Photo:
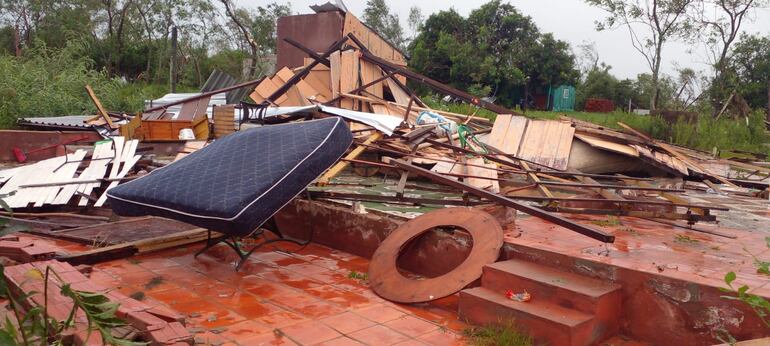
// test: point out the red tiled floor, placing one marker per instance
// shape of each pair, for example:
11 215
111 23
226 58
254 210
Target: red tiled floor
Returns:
442 337
244 330
378 335
281 319
379 313
270 338
410 342
347 322
343 341
411 326
308 296
338 296
310 332
290 278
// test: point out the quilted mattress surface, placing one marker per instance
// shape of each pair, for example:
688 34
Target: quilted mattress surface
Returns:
238 182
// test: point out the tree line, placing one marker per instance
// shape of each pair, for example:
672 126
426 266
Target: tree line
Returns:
495 51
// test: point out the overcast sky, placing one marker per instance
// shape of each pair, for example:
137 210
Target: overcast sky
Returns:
568 20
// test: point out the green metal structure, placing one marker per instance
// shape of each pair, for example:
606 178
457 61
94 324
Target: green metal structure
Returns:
563 99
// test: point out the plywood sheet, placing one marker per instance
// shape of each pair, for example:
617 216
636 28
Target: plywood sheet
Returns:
266 88
370 73
349 67
547 143
507 133
400 95
607 145
320 81
486 184
335 70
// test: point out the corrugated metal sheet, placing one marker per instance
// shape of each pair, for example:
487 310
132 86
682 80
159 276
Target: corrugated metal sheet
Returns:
216 100
74 121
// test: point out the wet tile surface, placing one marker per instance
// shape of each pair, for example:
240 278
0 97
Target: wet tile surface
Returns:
302 297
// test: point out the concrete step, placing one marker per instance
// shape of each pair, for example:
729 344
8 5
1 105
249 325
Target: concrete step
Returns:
546 322
568 290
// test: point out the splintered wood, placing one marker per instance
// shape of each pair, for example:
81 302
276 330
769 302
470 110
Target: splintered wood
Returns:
55 181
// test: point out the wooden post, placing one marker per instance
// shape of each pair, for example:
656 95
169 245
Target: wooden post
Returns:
172 62
99 107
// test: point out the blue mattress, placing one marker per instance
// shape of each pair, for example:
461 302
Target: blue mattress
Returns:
238 182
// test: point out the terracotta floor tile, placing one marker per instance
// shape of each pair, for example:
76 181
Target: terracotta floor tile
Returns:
173 297
358 264
244 330
280 319
442 337
411 342
310 332
411 326
340 297
208 338
249 306
208 315
183 276
268 289
306 269
379 313
276 258
119 267
307 305
329 277
253 267
290 278
378 335
347 322
214 289
270 338
156 263
343 341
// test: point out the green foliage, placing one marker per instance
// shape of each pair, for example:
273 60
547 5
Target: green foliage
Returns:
751 67
761 306
378 16
504 333
495 49
358 276
51 81
35 326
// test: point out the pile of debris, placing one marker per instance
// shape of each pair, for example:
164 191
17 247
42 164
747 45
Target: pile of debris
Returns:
539 167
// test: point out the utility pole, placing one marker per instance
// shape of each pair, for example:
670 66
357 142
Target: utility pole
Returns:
172 63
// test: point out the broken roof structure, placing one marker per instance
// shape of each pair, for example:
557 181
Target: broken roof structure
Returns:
387 221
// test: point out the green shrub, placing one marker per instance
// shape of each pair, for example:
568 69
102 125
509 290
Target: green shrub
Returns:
51 82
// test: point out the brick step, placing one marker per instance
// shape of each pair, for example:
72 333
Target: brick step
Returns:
545 322
544 283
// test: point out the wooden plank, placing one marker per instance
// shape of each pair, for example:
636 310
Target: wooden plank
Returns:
264 89
608 146
547 143
96 169
224 120
192 109
320 81
101 149
99 107
370 73
401 96
485 184
334 171
306 91
25 175
118 147
586 230
65 172
348 77
336 70
130 130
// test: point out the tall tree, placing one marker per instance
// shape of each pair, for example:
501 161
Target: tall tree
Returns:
651 24
378 16
415 20
721 22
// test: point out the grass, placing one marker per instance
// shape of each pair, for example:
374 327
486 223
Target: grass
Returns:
505 333
707 134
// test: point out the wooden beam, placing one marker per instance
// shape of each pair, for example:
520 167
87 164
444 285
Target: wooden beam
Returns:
334 171
586 230
99 107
